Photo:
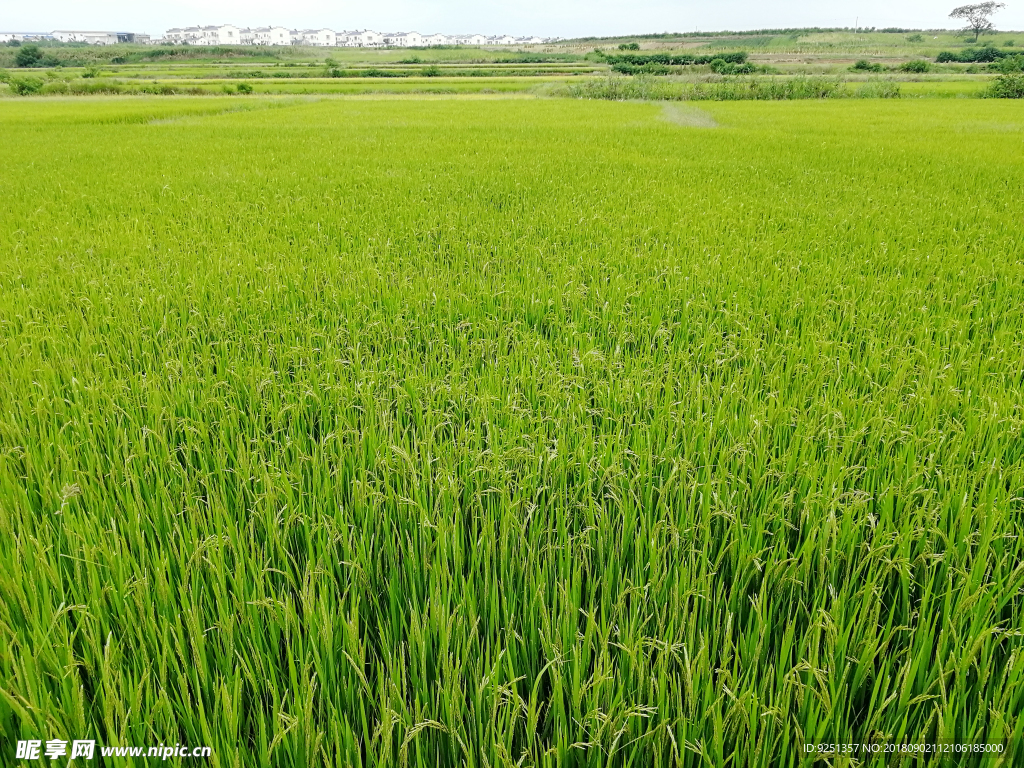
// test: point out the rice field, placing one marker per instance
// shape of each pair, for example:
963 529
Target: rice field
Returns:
512 432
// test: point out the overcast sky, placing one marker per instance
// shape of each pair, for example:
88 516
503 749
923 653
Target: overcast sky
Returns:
563 18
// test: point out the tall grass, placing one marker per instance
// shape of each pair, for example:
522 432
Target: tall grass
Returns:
511 433
648 88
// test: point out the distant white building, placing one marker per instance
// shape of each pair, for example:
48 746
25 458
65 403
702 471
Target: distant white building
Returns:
469 39
175 35
266 36
228 34
325 38
98 38
6 37
403 39
92 38
362 38
225 34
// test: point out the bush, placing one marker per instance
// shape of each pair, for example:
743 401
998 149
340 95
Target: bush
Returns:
91 72
432 71
160 90
1007 87
28 56
983 55
1008 44
26 86
1009 64
722 67
629 47
917 66
863 65
917 38
243 88
987 54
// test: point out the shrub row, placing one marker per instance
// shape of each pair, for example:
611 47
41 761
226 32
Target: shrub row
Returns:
641 69
675 59
985 54
28 86
915 66
718 65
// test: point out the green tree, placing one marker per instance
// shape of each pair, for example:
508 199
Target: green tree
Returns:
28 56
977 17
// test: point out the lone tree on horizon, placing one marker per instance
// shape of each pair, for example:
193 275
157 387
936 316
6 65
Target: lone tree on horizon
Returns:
977 17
